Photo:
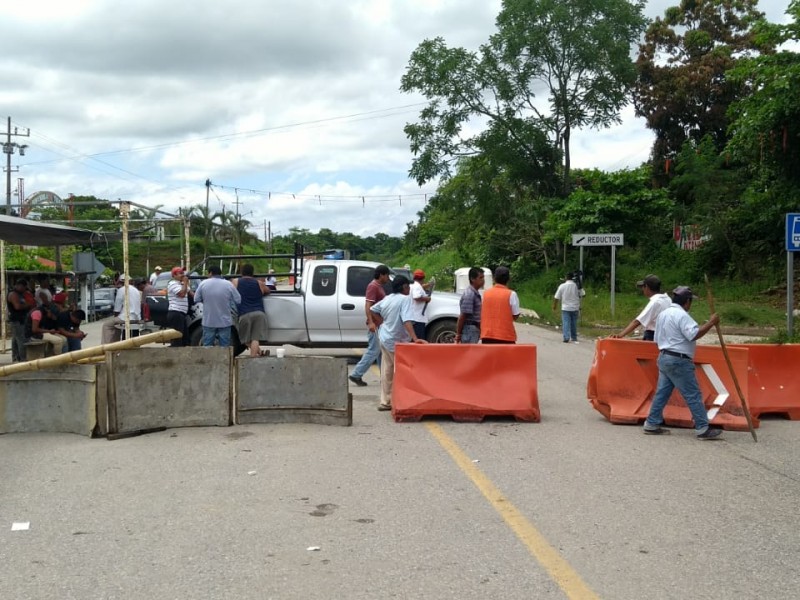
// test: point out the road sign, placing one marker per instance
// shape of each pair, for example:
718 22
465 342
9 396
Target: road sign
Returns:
793 232
597 239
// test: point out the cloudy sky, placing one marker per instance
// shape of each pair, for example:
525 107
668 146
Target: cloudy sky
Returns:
291 109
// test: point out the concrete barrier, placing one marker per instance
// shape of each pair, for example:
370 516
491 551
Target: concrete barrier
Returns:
151 388
294 389
58 400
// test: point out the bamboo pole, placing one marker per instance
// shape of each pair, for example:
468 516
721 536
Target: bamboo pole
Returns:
187 232
124 209
745 408
86 353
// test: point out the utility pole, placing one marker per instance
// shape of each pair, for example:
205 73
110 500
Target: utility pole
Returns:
9 148
238 223
208 219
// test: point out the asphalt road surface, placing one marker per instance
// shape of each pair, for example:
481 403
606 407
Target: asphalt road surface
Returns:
572 507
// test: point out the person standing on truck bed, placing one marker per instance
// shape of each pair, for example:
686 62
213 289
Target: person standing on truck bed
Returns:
218 296
178 294
252 318
375 293
398 326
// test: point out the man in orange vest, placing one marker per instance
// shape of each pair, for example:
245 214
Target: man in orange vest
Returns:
499 311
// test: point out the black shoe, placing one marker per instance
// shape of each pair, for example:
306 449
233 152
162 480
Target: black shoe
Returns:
384 407
656 431
711 433
357 380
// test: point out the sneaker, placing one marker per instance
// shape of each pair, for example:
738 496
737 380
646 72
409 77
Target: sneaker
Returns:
711 433
357 380
384 407
566 341
575 342
656 431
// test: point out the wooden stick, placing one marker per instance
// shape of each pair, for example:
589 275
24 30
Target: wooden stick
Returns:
730 365
72 357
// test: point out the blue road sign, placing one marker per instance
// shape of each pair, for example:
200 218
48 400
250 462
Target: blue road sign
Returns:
793 232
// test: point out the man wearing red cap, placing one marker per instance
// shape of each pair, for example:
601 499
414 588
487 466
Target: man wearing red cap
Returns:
420 299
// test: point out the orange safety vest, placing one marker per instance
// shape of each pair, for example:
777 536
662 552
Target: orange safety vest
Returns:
497 323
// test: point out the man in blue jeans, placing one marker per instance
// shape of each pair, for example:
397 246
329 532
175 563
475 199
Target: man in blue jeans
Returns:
676 336
374 294
219 298
570 296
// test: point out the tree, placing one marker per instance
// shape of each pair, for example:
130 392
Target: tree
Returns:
682 88
765 125
578 51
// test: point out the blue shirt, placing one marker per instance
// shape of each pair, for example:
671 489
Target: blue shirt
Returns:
219 297
471 304
676 330
395 309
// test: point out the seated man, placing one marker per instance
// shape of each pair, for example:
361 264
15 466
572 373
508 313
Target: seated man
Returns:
69 323
38 323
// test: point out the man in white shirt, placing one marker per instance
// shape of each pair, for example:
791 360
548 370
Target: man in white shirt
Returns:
570 296
154 275
676 336
651 289
420 299
110 331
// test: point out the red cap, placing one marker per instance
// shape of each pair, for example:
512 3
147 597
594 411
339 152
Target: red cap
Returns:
419 274
60 298
177 271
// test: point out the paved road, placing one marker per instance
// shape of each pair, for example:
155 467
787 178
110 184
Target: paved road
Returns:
569 507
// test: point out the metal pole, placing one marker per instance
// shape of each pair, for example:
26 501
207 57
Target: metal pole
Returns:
8 150
790 293
580 260
613 275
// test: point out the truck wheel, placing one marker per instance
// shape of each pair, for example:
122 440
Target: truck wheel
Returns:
196 339
442 332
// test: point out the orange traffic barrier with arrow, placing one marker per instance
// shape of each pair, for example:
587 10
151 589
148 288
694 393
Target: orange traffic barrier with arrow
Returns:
465 381
624 374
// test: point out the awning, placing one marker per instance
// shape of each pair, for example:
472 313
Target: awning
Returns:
26 232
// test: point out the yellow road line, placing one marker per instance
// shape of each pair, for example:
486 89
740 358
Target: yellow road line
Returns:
558 568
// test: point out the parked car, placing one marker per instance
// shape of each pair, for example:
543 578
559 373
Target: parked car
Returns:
103 305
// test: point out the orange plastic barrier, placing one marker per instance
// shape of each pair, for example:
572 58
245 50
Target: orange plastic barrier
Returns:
773 383
624 374
465 381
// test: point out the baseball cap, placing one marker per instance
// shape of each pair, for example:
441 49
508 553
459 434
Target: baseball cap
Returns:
123 277
158 268
60 298
651 281
419 274
177 271
682 292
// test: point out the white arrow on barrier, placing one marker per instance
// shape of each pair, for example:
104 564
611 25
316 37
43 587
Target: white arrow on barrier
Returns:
722 392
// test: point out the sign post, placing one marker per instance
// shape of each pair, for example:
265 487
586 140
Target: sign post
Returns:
601 239
792 246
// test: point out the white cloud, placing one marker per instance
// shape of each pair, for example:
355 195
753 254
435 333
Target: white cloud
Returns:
299 97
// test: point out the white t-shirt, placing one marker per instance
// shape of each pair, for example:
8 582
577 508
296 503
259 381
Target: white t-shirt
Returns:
648 316
417 291
174 287
134 303
570 295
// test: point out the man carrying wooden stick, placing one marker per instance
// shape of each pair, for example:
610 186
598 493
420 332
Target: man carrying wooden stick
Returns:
676 336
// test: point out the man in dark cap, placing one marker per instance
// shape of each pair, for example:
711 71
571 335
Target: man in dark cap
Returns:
651 289
676 335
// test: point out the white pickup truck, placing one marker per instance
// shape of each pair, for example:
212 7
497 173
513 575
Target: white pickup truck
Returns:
325 309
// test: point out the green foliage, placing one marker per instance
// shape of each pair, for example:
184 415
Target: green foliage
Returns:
682 88
578 50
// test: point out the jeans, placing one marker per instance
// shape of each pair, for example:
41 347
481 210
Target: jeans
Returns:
18 341
677 372
371 354
569 325
470 334
222 334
